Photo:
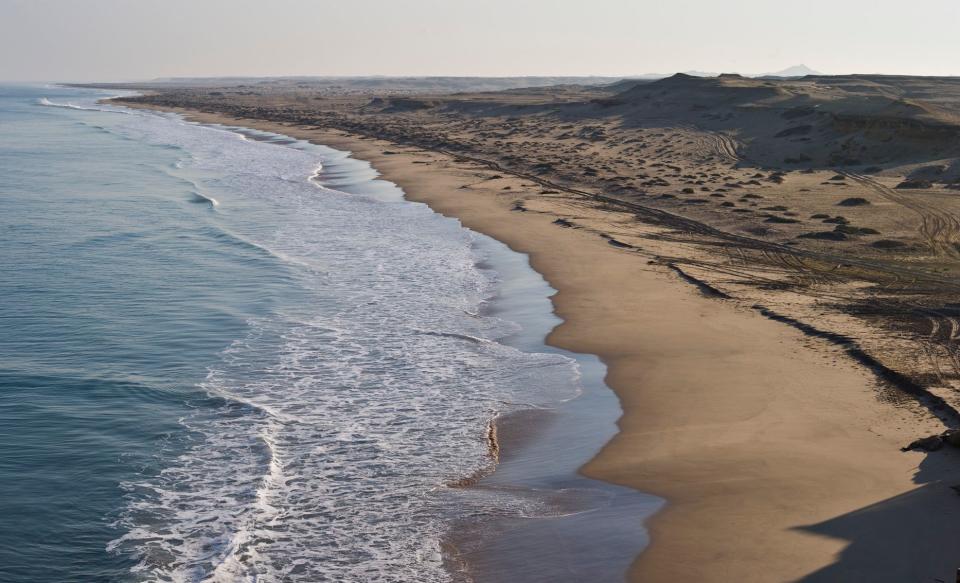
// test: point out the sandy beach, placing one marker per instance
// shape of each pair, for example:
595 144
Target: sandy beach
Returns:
778 454
457 292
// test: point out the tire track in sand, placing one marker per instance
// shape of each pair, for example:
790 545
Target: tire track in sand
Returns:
939 228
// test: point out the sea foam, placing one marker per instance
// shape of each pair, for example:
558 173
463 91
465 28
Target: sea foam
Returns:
334 428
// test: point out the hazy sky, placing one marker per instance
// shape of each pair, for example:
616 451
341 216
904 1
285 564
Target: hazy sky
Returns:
64 40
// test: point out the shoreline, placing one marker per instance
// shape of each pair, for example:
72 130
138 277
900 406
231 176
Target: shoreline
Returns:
537 505
718 416
576 531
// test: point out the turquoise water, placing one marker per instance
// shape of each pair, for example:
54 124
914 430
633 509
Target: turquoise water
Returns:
232 356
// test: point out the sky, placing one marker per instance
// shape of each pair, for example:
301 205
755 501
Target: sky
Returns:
121 40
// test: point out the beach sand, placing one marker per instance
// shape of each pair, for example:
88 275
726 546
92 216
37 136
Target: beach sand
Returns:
777 453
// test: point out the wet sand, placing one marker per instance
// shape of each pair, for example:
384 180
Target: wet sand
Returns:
776 453
570 528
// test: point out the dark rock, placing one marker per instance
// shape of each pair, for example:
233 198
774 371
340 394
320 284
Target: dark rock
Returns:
932 443
620 244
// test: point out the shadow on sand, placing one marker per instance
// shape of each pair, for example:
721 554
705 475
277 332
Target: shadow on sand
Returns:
910 538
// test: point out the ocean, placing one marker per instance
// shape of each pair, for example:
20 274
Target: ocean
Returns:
228 355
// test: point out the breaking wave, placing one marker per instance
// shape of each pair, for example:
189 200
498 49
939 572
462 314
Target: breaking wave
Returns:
334 427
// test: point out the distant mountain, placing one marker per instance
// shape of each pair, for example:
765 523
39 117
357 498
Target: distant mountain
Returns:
794 71
656 76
